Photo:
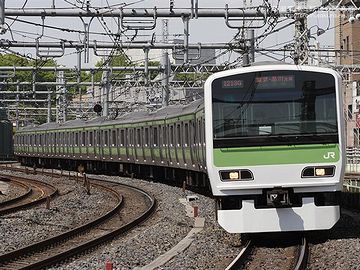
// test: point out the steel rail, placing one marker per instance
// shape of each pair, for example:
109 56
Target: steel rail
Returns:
28 191
41 199
73 233
47 243
303 255
242 257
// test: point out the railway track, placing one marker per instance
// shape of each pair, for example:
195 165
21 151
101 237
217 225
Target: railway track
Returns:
59 248
36 192
26 190
297 261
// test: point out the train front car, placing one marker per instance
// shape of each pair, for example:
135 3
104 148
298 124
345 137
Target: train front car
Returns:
274 147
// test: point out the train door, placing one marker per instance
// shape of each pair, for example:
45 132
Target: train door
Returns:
90 144
105 144
97 143
198 141
178 146
172 153
202 132
187 144
163 144
124 144
71 145
61 143
114 143
131 145
146 144
154 144
138 148
83 143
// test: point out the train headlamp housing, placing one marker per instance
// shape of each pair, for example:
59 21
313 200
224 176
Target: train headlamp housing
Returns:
318 171
236 175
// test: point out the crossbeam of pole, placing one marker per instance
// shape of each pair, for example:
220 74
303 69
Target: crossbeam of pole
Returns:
51 83
54 68
138 12
96 45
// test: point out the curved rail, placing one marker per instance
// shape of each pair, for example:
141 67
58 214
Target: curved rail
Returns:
242 257
303 255
70 252
17 203
28 191
300 260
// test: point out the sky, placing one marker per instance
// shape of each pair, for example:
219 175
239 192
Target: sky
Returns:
201 30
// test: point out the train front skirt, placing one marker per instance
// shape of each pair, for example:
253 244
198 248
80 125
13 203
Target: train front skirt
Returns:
305 218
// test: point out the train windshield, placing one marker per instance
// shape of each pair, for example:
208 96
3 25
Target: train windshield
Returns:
274 108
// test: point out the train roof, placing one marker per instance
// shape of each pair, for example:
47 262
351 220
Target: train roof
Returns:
133 117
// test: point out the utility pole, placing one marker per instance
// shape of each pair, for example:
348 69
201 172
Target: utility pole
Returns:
2 17
49 107
251 45
165 65
79 81
300 55
17 105
60 98
105 95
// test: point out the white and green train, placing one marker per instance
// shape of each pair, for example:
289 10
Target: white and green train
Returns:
275 147
267 140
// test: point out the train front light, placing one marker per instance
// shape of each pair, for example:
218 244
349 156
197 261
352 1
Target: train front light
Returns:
326 171
236 175
319 172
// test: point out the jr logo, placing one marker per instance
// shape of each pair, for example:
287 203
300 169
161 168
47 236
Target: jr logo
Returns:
329 155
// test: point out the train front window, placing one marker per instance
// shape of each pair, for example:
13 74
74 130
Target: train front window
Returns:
274 108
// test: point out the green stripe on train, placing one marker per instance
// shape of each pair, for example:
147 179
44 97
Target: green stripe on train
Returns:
271 155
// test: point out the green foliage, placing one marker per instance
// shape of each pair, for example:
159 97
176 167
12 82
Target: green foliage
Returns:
192 77
27 76
22 76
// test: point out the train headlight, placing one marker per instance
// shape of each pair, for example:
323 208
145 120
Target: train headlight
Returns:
235 175
320 171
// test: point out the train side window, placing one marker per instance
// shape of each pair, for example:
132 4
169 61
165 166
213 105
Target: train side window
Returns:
186 133
155 136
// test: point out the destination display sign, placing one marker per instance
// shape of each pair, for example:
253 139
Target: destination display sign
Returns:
270 82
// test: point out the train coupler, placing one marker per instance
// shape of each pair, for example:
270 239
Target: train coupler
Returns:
278 198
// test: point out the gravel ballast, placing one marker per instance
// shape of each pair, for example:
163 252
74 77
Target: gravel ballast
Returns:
212 248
